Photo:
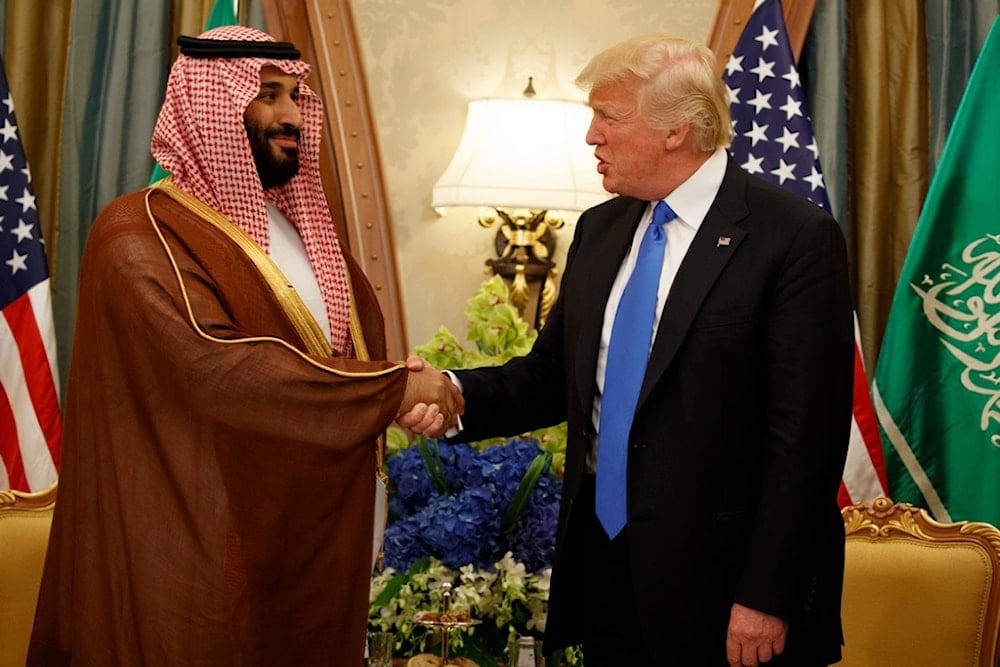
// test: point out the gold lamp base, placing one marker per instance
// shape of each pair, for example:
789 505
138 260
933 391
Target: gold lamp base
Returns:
524 244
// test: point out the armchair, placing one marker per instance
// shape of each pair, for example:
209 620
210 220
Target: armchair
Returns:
919 592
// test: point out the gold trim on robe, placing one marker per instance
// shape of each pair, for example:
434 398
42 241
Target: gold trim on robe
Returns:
298 313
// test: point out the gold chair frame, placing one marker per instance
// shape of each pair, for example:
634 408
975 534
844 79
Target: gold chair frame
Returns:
25 520
42 501
918 589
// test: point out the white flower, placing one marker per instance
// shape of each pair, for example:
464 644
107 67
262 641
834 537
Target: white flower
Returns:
491 596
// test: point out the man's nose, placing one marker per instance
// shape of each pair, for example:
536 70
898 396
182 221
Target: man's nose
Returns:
594 134
290 114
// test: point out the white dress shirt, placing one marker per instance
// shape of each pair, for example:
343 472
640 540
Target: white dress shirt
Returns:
690 201
289 253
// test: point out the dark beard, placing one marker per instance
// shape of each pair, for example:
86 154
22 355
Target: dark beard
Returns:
273 170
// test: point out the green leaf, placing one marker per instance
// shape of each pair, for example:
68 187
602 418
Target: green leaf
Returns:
399 580
432 461
524 489
390 591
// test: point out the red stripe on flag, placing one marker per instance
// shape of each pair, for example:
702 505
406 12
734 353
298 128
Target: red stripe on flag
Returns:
864 419
10 452
864 414
37 371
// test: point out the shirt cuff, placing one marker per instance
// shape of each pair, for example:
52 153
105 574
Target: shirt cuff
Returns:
457 428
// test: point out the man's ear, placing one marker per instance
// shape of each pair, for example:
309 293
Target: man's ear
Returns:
676 136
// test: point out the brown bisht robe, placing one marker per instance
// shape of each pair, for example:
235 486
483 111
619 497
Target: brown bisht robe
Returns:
217 490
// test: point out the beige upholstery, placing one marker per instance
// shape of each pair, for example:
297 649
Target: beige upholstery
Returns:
919 592
25 519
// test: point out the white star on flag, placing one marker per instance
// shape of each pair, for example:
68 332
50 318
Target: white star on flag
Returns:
788 139
815 179
22 231
764 69
26 200
784 172
17 263
8 131
792 108
752 165
759 102
735 64
758 133
767 38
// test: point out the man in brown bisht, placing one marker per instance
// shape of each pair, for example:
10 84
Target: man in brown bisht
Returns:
227 395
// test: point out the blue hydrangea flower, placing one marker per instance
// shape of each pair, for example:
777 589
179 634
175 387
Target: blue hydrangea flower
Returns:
462 525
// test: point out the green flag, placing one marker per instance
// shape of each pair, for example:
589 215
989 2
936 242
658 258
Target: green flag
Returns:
223 13
937 382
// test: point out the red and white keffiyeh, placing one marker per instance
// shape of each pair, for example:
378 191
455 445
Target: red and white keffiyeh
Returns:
200 138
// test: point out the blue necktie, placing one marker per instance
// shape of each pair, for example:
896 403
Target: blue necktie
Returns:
628 353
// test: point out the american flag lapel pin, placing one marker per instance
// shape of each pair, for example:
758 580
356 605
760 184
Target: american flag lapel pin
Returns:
723 241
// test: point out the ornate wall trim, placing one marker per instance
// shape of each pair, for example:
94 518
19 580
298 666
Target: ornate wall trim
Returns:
324 31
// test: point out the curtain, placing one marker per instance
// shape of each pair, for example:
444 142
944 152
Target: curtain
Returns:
955 34
888 134
822 68
117 67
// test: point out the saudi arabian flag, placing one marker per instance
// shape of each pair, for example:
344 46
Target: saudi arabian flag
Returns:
937 382
223 13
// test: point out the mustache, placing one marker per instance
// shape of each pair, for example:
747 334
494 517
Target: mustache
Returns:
285 130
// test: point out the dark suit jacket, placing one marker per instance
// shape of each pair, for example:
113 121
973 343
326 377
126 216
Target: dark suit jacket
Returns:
739 439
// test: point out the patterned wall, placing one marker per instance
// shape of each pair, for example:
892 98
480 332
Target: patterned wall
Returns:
425 60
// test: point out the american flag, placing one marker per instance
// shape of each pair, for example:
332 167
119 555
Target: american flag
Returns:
30 424
773 139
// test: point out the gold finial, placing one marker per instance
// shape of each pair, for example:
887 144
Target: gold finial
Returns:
529 90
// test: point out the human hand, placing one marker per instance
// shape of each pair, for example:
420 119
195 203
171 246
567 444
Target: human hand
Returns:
753 637
432 403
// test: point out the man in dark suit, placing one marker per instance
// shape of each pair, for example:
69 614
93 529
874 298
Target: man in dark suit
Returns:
732 546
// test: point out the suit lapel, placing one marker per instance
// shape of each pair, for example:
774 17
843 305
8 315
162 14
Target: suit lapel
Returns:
714 244
599 267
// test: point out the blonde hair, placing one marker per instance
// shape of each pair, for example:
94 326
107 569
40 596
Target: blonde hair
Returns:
680 84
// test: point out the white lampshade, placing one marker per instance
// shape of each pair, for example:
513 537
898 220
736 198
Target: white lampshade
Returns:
523 153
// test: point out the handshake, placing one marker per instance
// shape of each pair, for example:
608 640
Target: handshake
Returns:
432 403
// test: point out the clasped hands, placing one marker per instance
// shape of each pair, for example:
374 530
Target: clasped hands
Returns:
431 403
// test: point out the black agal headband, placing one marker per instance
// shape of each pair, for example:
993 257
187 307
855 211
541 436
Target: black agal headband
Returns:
236 48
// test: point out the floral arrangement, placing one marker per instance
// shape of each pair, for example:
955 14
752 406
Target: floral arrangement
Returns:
495 327
509 600
480 516
467 506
